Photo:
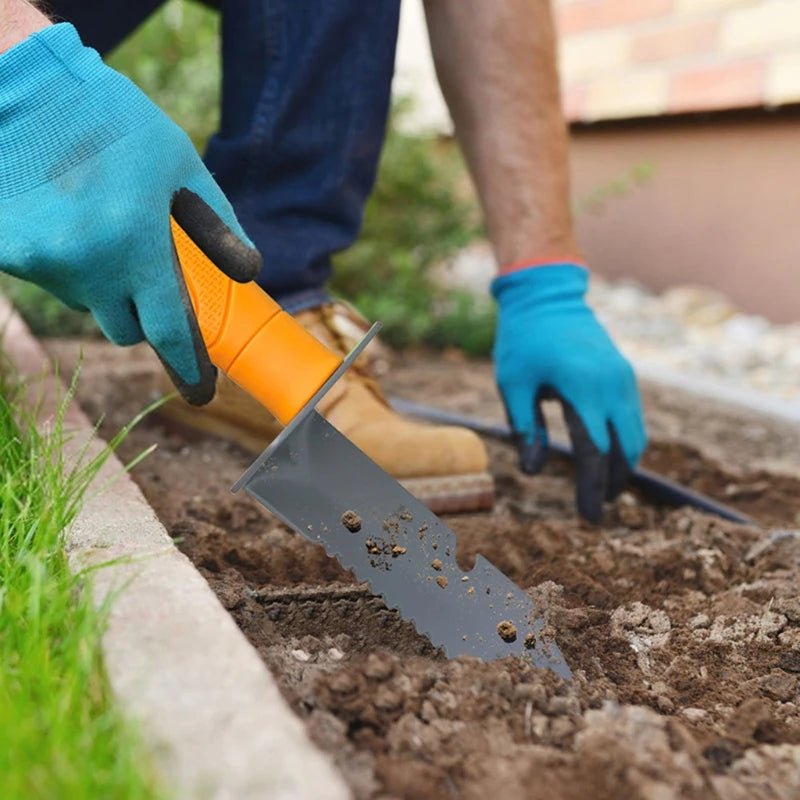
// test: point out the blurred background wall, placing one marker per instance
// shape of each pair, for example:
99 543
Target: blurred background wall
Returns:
685 124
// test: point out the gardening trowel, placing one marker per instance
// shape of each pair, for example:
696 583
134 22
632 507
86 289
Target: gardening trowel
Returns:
321 485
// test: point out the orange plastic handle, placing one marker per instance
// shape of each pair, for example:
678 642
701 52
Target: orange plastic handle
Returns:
249 336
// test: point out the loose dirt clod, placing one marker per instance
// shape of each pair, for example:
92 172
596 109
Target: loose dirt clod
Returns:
507 631
442 581
351 521
379 667
407 516
398 550
530 640
436 564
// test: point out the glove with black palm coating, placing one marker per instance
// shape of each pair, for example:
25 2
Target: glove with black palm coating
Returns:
90 170
549 345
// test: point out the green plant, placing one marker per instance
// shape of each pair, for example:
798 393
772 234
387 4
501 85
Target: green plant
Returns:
174 58
418 216
597 199
60 735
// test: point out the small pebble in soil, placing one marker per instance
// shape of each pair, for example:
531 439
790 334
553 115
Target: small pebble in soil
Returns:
664 704
300 655
471 590
379 667
351 521
507 631
721 754
530 640
398 550
693 714
406 515
388 700
442 581
342 683
790 661
436 563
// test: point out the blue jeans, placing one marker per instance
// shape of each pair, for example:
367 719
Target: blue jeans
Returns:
305 99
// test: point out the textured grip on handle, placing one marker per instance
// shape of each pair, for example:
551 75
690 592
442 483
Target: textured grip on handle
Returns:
250 338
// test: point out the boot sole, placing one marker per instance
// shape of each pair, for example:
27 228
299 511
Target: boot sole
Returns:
453 494
443 494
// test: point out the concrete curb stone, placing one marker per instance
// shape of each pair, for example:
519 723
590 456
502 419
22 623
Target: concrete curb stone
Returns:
209 710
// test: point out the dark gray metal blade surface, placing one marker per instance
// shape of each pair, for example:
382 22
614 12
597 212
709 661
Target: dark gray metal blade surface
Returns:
310 477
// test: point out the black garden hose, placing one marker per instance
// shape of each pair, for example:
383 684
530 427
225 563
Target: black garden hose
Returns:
655 487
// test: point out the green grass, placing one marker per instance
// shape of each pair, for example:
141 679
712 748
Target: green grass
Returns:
60 735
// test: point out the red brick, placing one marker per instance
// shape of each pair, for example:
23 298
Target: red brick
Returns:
675 41
735 85
585 15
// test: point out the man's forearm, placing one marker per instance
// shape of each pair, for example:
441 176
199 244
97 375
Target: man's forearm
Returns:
496 63
19 19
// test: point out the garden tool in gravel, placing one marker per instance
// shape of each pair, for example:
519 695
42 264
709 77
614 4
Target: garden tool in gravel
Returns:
321 485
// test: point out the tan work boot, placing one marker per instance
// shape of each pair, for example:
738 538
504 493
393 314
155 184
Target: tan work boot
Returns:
445 467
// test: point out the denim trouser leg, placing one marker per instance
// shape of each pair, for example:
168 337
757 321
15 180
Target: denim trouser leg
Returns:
102 24
306 88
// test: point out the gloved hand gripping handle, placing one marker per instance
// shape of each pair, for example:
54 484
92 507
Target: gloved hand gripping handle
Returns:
249 336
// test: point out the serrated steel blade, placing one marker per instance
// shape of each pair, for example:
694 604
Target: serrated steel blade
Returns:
312 475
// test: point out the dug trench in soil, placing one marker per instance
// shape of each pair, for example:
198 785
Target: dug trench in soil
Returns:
683 631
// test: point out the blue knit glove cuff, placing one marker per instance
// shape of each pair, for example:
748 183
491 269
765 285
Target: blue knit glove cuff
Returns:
555 283
51 98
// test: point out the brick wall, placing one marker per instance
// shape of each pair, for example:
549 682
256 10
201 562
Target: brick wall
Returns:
634 58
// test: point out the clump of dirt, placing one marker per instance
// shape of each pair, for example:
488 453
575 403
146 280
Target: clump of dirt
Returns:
507 631
351 521
683 631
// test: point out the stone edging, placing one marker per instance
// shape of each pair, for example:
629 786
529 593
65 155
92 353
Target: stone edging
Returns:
209 710
742 397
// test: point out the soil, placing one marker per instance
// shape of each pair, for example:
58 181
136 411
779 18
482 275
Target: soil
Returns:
683 631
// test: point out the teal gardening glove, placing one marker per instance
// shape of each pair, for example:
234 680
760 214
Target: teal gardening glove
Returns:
549 345
89 172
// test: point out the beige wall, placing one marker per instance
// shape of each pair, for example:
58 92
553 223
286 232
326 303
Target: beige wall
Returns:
722 208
